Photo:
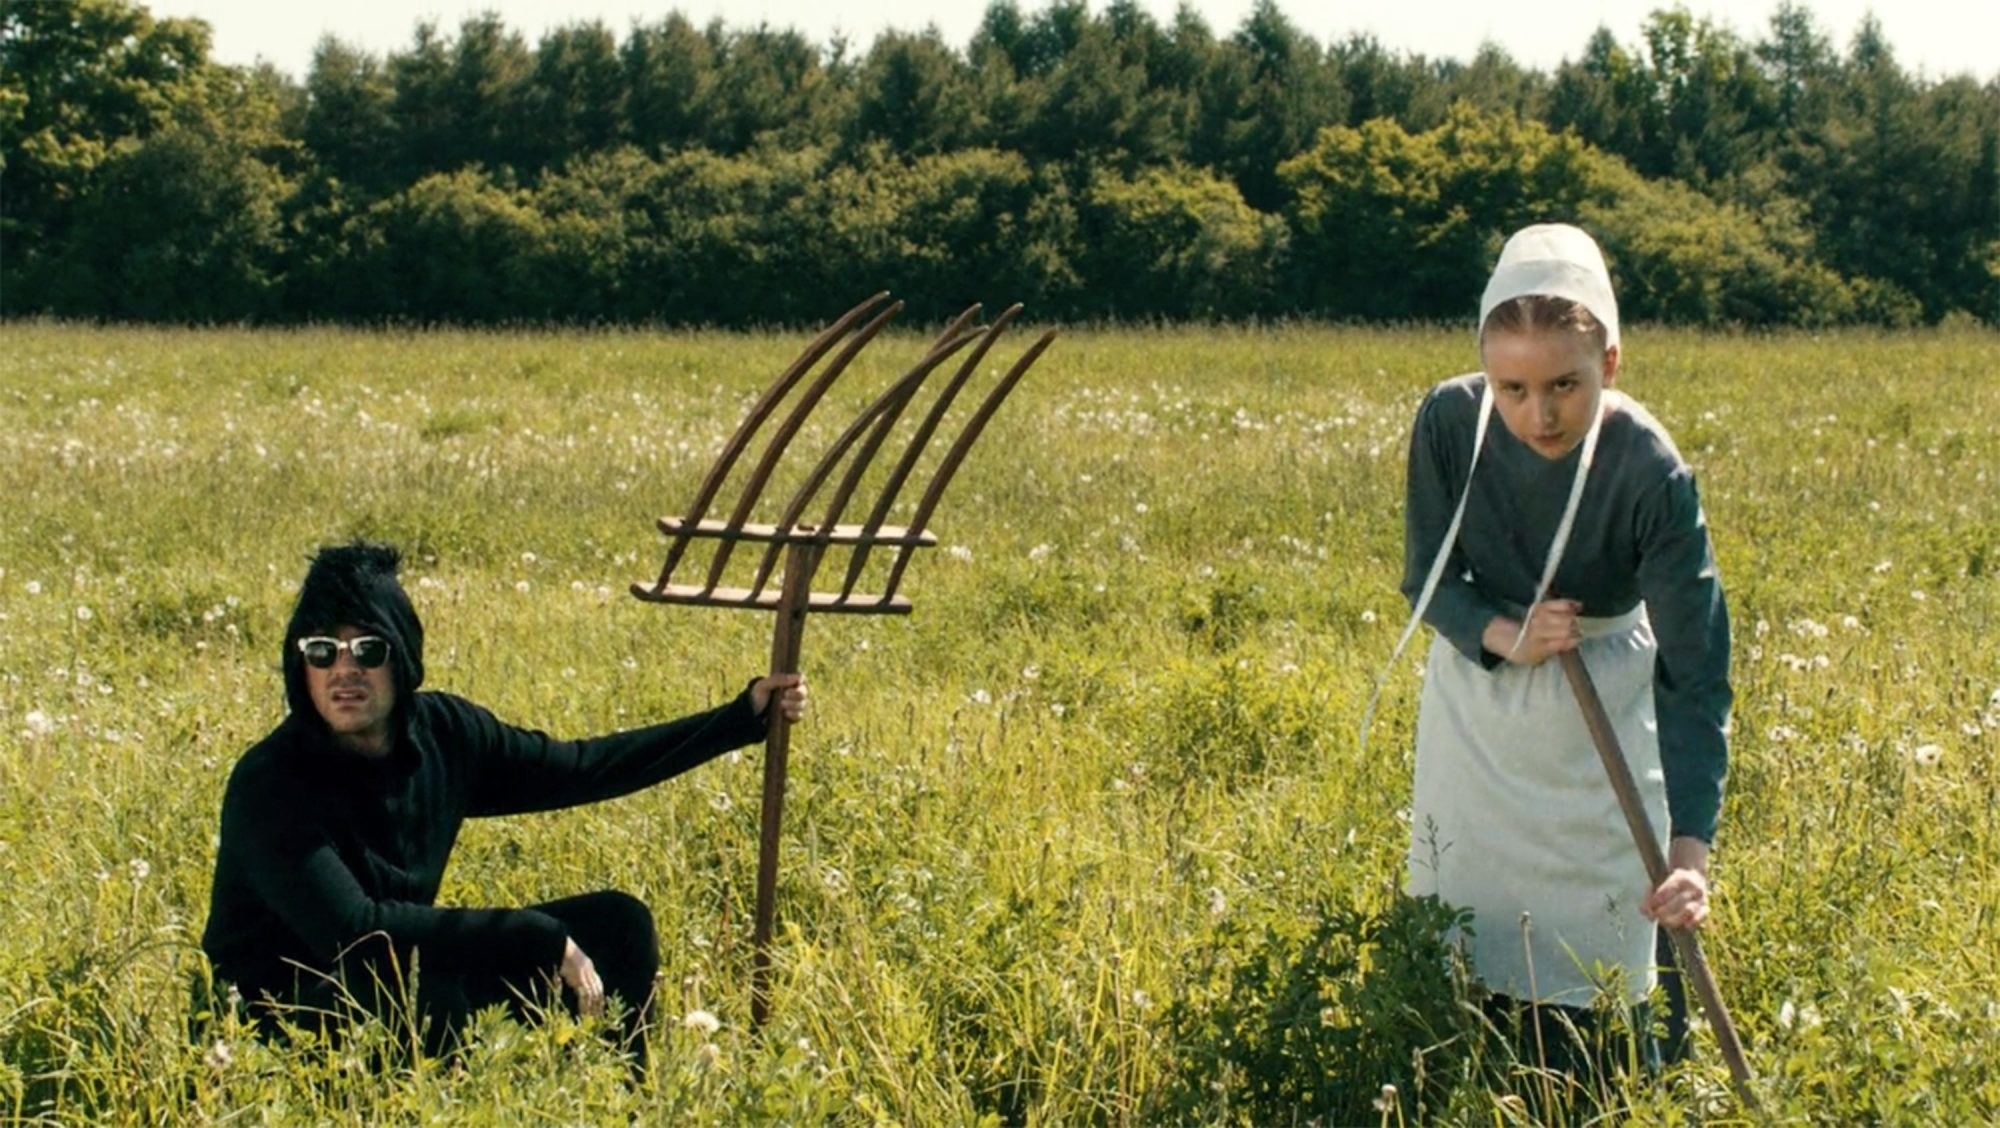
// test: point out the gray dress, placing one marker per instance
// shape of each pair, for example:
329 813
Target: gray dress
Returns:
1511 813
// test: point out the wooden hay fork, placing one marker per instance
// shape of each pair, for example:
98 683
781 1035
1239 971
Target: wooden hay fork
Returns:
804 545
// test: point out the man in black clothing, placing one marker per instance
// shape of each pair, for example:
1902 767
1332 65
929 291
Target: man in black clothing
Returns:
336 828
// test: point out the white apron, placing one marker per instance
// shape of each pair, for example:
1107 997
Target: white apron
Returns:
1513 814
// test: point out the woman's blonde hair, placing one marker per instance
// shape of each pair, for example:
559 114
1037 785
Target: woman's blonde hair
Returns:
1546 313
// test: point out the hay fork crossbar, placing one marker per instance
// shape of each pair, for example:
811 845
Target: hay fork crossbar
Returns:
804 546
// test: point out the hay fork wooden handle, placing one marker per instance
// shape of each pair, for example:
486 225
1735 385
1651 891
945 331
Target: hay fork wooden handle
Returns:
1686 944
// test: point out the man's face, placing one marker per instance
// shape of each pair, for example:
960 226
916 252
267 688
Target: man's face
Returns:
354 701
1546 386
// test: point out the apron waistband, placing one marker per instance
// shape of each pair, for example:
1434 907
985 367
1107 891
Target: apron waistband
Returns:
1591 626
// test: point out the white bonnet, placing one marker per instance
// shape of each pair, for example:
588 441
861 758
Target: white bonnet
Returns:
1556 260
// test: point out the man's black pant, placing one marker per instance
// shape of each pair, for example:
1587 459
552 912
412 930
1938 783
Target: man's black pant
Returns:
614 929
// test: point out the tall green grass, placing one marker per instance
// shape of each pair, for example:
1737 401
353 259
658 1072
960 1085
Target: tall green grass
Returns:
1086 839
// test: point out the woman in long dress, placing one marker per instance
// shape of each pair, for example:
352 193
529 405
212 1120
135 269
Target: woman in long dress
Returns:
1572 524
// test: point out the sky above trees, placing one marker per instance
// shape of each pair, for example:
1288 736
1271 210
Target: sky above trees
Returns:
1939 38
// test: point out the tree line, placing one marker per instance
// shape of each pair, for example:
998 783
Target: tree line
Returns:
1095 164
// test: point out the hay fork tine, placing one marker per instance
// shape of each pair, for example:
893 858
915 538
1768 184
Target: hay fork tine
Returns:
747 430
959 449
789 429
882 415
918 442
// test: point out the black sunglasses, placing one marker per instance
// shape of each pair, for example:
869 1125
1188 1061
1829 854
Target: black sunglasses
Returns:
321 652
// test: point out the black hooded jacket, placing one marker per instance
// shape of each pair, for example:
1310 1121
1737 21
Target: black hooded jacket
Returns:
321 847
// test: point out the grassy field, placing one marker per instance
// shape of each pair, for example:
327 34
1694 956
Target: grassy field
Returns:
1086 839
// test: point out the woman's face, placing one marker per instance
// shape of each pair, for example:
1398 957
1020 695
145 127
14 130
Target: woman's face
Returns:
1547 386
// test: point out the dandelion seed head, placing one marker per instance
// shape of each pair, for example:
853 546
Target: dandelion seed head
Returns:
701 1021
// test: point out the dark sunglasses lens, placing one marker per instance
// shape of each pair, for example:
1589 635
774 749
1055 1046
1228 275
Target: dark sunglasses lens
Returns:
320 653
370 652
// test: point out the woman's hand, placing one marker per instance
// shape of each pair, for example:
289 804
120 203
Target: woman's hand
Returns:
790 690
1681 901
1551 630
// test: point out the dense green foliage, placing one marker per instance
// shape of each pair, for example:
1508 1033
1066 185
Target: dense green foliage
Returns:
1088 838
1094 164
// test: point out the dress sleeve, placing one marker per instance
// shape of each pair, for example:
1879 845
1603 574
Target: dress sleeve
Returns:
292 865
516 770
1683 594
1438 452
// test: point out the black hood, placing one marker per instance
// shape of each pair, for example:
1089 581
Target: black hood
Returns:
355 585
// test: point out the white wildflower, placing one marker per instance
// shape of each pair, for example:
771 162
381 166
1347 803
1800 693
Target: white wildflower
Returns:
1882 569
522 586
1919 596
219 1056
1849 623
84 613
529 559
1927 755
1140 999
701 1022
960 553
39 723
1368 616
1040 552
980 697
1218 903
1031 671
141 869
1386 1103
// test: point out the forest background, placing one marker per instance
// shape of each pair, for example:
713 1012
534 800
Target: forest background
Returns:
1094 164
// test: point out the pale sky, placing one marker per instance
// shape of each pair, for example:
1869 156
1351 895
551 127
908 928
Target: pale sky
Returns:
1940 38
